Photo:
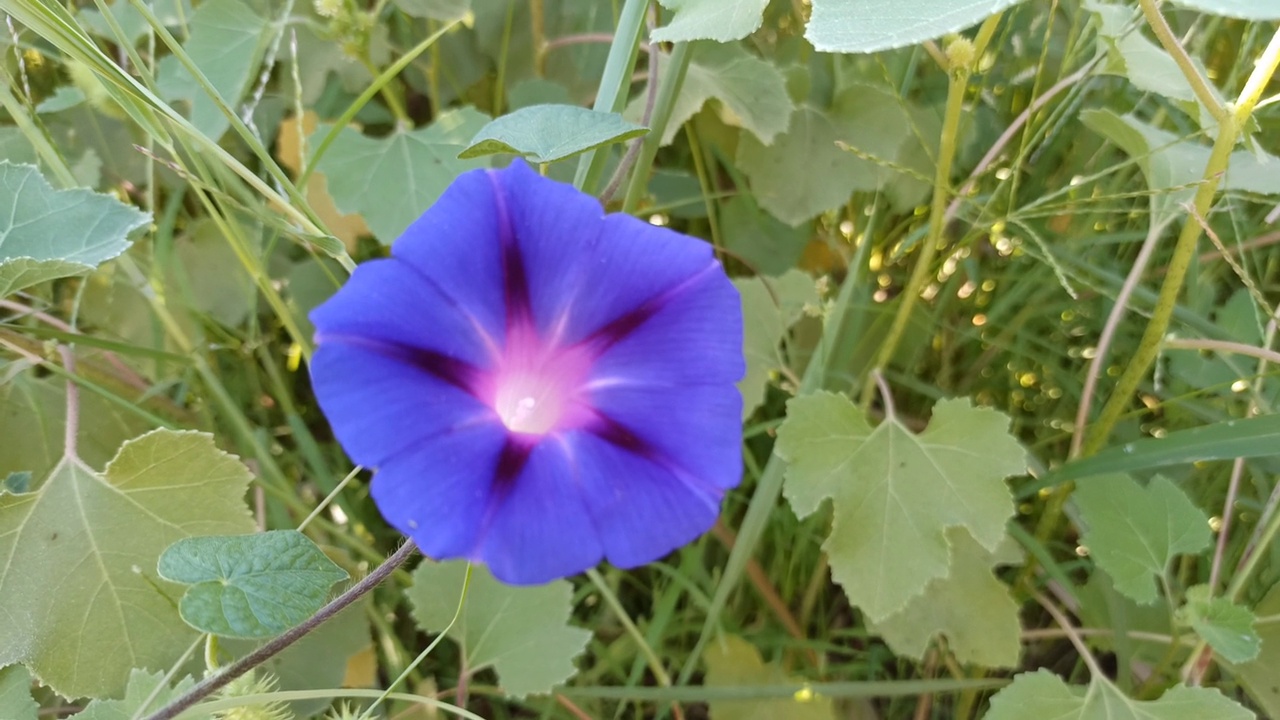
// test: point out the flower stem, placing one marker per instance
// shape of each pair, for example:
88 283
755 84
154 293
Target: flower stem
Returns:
668 89
613 83
273 647
937 222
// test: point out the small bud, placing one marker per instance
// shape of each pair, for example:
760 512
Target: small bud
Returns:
328 8
960 53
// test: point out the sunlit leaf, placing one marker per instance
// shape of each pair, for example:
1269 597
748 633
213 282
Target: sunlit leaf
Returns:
750 92
1133 532
734 662
142 685
1042 694
865 26
392 180
521 632
722 20
1227 627
547 133
80 552
249 586
226 43
1243 9
15 694
47 233
894 494
770 306
970 607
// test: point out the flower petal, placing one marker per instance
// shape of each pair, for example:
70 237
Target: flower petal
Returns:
379 402
696 428
391 302
690 335
642 508
438 491
540 530
585 269
455 245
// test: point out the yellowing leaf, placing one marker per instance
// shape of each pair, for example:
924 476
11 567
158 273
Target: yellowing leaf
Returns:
894 494
1133 531
732 661
521 632
972 608
78 558
1044 695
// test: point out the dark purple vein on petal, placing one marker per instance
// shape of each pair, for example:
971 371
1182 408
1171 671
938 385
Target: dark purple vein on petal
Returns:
455 372
620 327
625 439
515 281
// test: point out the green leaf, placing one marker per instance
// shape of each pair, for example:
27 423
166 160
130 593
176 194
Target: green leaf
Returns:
1042 694
210 276
521 632
866 26
547 133
1242 9
720 20
1147 65
226 43
1227 627
734 662
1248 437
894 494
770 306
15 694
752 93
47 233
762 242
142 685
392 180
109 527
249 586
1133 531
1173 166
1258 676
972 608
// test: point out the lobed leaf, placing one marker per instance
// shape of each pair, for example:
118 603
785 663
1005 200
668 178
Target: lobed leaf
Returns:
894 494
1042 694
76 559
1133 532
47 233
1227 627
770 306
249 586
522 632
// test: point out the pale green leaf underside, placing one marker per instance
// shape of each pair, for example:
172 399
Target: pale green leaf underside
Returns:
15 694
972 608
1227 627
390 181
547 133
1044 695
752 92
720 20
865 26
734 662
769 307
521 632
1132 532
250 586
47 233
1243 9
77 559
894 494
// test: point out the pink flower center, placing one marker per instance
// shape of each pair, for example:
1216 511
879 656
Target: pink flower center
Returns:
537 387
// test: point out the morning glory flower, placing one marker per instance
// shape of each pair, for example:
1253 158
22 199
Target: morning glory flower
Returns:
538 385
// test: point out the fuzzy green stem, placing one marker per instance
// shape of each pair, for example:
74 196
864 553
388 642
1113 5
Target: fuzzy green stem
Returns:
1199 83
614 81
937 223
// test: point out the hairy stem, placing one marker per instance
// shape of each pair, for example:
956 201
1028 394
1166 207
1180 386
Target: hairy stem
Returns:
273 647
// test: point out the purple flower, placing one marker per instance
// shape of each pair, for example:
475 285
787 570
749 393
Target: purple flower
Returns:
538 385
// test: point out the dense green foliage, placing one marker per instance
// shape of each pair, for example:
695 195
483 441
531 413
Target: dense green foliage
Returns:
1009 282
